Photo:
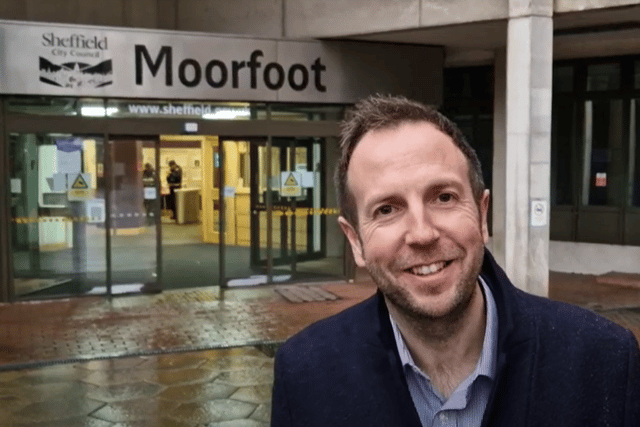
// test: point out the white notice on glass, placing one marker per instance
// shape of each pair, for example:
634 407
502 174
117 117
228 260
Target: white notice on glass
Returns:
16 185
150 193
539 209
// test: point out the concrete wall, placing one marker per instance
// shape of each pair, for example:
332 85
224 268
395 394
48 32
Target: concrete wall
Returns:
446 12
328 18
592 258
261 18
281 18
139 13
331 18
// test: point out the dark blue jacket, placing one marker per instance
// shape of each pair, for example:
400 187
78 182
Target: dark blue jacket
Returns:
558 365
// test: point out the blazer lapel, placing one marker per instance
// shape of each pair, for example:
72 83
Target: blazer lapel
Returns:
510 398
392 396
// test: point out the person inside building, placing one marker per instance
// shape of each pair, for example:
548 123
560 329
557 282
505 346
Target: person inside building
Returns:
174 179
447 339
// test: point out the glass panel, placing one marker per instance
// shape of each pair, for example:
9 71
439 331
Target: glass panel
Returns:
604 158
58 214
562 141
309 248
634 156
134 207
240 220
468 83
120 108
603 77
636 75
190 185
307 112
50 106
563 79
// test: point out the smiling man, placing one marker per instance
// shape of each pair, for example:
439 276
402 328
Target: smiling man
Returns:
447 340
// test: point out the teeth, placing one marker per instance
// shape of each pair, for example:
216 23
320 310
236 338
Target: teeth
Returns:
428 269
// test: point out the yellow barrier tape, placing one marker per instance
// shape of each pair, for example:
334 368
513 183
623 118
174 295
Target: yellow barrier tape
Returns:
277 211
306 212
30 220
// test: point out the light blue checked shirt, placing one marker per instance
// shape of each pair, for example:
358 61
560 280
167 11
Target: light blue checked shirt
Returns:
466 406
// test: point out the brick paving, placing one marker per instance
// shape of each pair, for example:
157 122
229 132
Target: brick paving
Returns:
88 328
618 300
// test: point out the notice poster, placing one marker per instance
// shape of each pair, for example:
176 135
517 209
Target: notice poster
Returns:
69 155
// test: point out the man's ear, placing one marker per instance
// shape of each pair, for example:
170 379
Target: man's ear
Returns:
352 235
484 209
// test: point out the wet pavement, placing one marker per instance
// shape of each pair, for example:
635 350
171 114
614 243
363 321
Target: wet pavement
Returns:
189 357
183 320
229 387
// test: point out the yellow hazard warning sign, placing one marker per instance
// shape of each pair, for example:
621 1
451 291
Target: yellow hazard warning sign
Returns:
291 181
79 187
291 184
79 183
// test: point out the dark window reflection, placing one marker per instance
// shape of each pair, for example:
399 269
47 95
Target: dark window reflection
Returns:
562 137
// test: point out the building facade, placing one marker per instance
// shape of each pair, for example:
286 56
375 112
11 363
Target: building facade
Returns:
545 90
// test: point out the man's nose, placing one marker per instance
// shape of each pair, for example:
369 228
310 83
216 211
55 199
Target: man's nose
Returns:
421 229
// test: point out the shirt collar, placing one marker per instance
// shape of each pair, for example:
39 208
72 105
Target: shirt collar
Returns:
487 363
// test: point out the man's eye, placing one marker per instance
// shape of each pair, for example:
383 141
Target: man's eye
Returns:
445 197
385 210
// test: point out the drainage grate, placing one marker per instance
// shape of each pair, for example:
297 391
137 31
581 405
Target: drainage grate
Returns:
295 293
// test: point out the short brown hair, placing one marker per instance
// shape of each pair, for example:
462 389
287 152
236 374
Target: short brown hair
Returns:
380 112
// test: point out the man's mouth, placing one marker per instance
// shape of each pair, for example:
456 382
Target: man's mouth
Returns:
425 270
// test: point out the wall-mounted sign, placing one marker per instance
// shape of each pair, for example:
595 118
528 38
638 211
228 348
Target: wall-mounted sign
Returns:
191 127
601 179
291 184
66 60
539 209
79 187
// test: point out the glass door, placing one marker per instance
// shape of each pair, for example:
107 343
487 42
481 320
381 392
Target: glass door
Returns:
134 210
58 232
291 180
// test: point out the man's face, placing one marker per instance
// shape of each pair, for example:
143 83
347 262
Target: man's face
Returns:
421 234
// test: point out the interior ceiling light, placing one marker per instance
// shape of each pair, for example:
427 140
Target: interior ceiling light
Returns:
97 111
227 114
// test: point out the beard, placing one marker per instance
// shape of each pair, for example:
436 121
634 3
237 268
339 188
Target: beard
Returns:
405 302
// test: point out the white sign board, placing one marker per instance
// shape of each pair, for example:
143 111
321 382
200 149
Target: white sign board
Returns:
150 193
16 185
89 61
539 208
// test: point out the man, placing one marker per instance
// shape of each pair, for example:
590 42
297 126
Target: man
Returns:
447 340
174 179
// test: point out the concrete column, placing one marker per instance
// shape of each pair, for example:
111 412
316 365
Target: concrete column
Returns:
528 139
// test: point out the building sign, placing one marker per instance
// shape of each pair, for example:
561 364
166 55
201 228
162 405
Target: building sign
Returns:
75 60
64 60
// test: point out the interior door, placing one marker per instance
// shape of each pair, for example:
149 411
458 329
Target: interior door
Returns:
134 209
293 180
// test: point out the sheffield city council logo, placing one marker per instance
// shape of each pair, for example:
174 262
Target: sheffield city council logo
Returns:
75 61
